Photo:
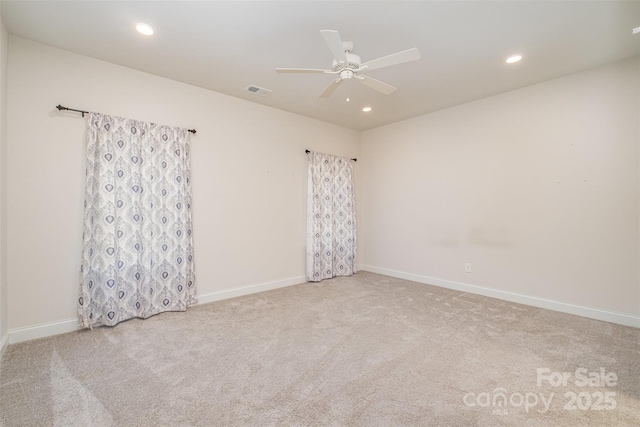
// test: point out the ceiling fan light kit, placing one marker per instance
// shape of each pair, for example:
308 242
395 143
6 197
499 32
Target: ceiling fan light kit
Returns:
349 66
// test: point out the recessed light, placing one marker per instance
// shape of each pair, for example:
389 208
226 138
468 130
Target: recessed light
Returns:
144 29
366 109
513 59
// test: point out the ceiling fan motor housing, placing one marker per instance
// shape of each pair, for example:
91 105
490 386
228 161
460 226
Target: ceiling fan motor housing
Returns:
353 63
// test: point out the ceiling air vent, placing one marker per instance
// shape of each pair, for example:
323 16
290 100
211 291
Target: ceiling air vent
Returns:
258 90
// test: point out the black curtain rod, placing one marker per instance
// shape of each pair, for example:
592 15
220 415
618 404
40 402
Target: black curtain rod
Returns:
307 151
60 107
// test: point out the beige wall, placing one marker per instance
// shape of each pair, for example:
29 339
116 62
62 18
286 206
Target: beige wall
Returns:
249 176
536 188
4 37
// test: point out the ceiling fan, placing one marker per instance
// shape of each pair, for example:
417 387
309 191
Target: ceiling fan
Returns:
349 66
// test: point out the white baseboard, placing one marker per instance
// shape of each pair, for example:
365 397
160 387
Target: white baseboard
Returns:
70 325
42 330
251 289
592 313
4 342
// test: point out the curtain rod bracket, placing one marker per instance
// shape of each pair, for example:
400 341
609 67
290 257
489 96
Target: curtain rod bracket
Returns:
60 108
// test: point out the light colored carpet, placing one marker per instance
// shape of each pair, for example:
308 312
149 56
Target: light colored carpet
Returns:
366 350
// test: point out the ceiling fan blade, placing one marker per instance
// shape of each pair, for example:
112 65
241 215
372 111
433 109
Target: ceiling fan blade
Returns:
331 88
393 59
302 70
376 84
332 38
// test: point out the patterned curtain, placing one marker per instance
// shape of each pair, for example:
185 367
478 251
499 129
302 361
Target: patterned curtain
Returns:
137 255
331 218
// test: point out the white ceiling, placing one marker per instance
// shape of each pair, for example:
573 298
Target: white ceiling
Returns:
226 46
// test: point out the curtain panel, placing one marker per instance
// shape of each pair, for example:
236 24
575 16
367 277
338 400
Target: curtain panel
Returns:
137 254
331 217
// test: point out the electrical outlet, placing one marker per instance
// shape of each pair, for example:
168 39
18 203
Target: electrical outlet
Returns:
467 267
